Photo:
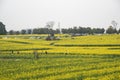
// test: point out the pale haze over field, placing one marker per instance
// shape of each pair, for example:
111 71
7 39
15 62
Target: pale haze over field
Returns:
25 14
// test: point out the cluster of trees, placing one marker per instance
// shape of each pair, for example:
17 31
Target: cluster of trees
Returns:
83 30
88 30
33 31
74 30
112 30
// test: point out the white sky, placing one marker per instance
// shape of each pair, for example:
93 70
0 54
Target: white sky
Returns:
24 14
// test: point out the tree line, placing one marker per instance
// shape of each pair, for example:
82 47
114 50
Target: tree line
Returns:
74 30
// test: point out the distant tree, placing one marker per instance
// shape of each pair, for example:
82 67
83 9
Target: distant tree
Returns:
64 31
23 31
57 31
49 26
29 31
75 30
11 32
83 30
119 31
17 32
2 29
98 30
88 30
111 30
80 30
102 30
42 31
115 30
45 31
35 31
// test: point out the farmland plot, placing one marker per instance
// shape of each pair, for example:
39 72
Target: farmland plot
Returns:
90 57
60 67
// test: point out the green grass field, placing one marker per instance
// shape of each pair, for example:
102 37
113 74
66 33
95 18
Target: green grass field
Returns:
92 57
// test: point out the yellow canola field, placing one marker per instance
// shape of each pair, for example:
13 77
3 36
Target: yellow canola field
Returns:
91 44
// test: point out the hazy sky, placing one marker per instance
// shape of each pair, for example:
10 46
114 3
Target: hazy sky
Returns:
24 14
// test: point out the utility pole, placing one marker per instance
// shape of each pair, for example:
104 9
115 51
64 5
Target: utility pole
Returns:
59 28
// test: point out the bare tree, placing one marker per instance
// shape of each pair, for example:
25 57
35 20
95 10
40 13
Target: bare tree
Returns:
114 23
50 25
